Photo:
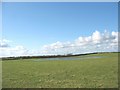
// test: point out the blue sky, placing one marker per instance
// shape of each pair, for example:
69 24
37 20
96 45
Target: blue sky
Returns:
36 24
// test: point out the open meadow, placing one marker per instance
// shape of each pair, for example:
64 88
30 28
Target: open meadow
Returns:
89 71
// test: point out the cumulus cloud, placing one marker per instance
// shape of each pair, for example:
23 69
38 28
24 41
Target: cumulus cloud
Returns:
4 43
6 50
13 51
97 42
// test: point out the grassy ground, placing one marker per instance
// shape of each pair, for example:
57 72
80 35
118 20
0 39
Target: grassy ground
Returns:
86 73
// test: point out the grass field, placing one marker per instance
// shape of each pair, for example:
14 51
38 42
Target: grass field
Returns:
90 71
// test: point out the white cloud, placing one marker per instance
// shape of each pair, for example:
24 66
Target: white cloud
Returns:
97 42
4 43
96 37
13 51
7 50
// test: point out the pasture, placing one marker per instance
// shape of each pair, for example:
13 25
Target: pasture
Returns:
89 71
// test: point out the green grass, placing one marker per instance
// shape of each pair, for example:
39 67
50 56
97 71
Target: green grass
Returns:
86 73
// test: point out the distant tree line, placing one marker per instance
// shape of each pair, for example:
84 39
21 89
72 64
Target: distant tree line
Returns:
49 56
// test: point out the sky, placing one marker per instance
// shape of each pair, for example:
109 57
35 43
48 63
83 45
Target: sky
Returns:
37 28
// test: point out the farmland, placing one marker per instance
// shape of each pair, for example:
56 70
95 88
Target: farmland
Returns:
89 71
